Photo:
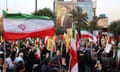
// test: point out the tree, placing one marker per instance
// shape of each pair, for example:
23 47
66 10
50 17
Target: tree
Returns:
115 28
60 31
45 12
93 24
79 18
49 13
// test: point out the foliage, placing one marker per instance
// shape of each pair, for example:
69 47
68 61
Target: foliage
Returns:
45 12
115 27
60 31
93 24
79 18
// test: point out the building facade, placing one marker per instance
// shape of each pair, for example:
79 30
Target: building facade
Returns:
103 21
87 6
63 9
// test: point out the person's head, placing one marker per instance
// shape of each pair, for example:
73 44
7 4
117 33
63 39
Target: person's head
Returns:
88 44
53 70
32 47
21 54
1 60
8 54
98 62
63 70
63 60
27 43
20 67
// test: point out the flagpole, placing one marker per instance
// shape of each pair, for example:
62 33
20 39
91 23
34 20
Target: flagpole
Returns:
6 5
4 46
35 6
69 64
4 49
61 54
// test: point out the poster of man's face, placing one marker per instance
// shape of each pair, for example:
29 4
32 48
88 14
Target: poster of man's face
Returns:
63 15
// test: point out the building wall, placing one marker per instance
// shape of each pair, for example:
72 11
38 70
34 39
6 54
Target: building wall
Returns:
88 8
103 22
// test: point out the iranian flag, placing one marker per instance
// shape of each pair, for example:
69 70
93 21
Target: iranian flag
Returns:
19 26
85 34
77 39
118 55
46 41
73 54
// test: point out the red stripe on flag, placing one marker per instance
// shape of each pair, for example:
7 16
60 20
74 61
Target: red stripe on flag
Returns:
83 36
40 34
74 60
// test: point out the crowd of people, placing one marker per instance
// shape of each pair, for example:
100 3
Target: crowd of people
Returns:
91 58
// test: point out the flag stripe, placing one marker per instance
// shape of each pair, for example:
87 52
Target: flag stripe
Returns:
84 36
40 34
75 68
23 16
31 25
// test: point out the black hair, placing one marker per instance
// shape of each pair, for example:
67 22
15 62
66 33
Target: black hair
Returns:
53 70
19 66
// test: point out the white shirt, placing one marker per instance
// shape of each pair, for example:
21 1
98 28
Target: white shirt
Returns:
18 59
10 63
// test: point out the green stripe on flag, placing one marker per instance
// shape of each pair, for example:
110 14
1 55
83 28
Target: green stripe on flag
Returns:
23 16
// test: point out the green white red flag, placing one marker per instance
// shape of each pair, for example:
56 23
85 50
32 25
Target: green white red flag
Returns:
19 26
118 54
73 54
86 34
